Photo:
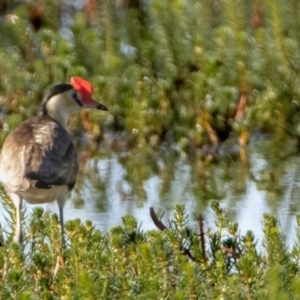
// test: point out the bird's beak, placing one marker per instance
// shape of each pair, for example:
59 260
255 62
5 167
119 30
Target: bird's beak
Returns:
88 101
86 90
101 106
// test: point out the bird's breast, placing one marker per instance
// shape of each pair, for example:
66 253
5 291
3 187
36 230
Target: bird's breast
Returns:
37 196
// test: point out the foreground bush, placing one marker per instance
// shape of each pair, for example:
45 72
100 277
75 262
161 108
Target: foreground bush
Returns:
177 262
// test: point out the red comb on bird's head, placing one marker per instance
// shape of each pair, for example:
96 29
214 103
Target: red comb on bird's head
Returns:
85 88
82 85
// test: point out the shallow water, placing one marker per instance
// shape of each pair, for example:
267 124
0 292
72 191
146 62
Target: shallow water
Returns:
129 183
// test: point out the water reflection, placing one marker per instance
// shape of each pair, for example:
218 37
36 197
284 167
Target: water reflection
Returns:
118 184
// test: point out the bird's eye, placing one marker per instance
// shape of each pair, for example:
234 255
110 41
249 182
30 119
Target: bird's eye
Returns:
74 95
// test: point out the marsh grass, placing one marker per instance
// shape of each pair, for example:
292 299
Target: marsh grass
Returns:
127 263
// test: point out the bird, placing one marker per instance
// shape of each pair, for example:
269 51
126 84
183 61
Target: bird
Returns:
38 161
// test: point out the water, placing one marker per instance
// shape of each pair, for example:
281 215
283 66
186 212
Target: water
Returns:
130 183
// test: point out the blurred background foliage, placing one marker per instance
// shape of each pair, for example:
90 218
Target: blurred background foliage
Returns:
189 73
198 79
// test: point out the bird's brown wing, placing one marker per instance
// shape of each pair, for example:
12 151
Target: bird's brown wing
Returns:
39 152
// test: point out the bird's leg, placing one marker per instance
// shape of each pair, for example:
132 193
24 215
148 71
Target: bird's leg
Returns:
61 200
62 226
17 199
60 262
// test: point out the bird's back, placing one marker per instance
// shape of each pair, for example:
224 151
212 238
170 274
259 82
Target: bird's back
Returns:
38 153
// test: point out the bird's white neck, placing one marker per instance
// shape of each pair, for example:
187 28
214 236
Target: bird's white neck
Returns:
60 112
61 117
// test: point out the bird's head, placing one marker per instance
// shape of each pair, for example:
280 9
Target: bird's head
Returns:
63 99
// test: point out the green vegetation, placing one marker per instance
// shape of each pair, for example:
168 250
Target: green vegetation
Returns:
178 262
185 74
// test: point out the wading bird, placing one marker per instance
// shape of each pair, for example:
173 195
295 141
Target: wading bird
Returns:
38 161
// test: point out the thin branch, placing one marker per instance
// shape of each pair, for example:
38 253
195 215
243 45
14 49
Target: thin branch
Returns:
188 253
200 219
158 223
